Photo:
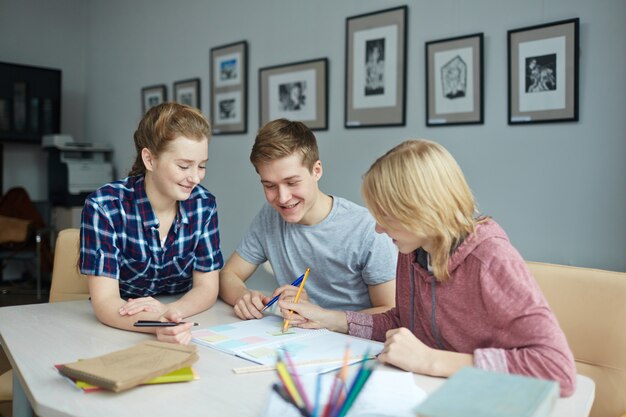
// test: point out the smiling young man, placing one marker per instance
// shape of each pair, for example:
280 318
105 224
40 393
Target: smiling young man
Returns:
352 267
155 232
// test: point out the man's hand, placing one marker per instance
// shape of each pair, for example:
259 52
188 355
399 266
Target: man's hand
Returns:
249 305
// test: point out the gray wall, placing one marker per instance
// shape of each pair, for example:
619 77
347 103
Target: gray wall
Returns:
46 34
559 190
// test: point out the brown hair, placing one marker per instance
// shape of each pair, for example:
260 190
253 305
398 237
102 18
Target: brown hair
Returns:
280 138
164 123
420 184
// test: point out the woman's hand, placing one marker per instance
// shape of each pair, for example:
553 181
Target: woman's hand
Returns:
307 315
137 305
288 293
405 351
180 334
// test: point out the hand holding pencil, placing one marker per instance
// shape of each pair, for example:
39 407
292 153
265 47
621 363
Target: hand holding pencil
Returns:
306 275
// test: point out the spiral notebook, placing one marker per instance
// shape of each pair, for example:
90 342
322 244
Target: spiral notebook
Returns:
259 340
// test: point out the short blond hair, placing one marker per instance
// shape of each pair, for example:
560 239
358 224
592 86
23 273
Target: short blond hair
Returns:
420 184
281 138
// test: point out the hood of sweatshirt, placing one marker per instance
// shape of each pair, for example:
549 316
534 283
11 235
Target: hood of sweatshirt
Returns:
486 234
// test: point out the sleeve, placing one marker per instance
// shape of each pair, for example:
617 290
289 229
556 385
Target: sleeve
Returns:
530 341
251 246
99 253
372 326
380 258
208 252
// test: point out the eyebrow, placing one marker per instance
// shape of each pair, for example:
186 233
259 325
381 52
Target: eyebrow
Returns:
293 177
190 160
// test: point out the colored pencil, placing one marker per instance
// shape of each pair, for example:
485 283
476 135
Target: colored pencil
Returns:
306 274
273 300
296 378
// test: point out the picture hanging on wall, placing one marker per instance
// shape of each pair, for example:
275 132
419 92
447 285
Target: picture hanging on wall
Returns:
229 88
295 91
454 81
152 96
376 69
188 92
543 73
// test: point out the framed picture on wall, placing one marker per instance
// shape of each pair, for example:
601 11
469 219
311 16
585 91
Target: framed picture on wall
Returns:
376 69
454 81
188 92
152 96
295 91
229 88
543 73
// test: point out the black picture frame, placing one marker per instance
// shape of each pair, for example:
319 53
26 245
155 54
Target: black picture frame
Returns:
152 96
30 102
188 92
375 78
454 81
228 75
295 91
543 73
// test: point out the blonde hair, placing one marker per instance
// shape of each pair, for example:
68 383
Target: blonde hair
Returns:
164 123
281 138
419 184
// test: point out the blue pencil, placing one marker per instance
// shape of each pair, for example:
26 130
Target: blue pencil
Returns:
318 386
273 300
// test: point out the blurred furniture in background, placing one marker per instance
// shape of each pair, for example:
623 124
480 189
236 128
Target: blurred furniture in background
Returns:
25 239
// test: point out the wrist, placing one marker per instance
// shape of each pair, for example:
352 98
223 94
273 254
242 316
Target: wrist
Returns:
445 364
336 321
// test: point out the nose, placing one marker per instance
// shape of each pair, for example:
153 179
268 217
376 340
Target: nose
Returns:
283 194
379 229
194 176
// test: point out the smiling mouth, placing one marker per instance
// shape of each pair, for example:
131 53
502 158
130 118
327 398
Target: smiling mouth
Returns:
290 206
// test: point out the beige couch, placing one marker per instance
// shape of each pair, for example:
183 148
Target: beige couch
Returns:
590 305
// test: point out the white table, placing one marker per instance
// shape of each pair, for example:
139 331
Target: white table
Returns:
37 336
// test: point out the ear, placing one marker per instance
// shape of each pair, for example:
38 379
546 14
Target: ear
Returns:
148 159
317 170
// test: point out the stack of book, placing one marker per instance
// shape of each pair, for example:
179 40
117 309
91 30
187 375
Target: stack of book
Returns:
147 363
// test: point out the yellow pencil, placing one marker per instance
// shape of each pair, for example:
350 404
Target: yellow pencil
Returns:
289 383
295 301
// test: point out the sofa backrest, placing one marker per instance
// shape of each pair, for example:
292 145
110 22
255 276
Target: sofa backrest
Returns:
590 305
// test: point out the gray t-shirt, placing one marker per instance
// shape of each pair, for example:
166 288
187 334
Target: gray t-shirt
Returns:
344 252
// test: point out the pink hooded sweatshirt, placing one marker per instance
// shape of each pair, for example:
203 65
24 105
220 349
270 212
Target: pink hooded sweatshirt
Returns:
491 307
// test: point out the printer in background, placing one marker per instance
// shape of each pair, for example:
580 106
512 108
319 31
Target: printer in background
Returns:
75 169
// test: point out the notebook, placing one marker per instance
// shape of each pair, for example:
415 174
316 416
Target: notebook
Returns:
259 340
126 368
181 375
475 392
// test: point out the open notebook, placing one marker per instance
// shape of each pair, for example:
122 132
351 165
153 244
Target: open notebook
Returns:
258 341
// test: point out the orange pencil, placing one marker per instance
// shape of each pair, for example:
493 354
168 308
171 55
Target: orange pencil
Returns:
286 323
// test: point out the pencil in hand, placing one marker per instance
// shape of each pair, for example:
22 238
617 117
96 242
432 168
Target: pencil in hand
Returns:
295 301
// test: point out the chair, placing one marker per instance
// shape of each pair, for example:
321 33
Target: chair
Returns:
26 234
590 305
67 285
